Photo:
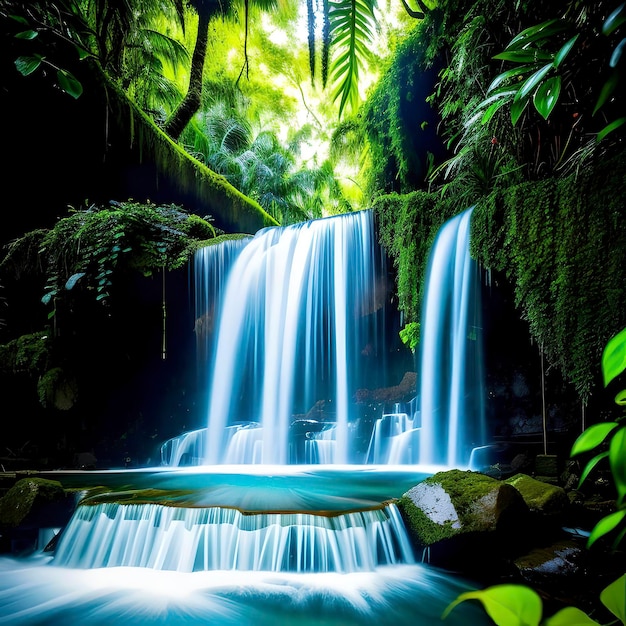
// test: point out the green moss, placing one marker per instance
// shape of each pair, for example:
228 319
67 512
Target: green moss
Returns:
185 173
562 245
539 496
469 509
26 493
407 226
421 526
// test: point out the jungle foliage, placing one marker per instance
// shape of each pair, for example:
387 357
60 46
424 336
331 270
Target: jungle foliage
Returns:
90 246
544 170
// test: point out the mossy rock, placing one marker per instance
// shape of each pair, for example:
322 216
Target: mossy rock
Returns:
25 496
541 497
455 502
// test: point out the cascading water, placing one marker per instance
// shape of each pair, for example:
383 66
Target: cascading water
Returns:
451 371
217 538
301 316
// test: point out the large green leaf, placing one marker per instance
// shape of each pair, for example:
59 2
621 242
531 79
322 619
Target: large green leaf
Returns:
524 56
533 80
617 458
592 437
507 605
610 128
605 526
352 24
535 33
547 95
512 73
569 616
609 86
517 108
69 83
27 65
614 357
617 53
590 465
27 34
564 51
614 598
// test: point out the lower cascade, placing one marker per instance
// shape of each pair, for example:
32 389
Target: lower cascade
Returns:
282 509
216 538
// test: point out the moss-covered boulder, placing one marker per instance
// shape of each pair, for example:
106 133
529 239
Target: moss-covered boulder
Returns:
31 504
541 497
461 517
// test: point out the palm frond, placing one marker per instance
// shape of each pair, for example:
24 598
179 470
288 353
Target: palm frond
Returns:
352 23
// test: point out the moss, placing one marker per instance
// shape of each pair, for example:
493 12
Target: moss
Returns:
562 245
24 495
421 526
539 496
191 177
464 502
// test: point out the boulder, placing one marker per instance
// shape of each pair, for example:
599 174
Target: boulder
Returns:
541 497
29 506
464 518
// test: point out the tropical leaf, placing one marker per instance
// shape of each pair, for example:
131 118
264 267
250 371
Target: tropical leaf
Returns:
605 526
592 437
610 128
617 53
617 458
614 357
352 24
524 56
69 83
569 616
73 279
547 95
28 64
608 88
533 80
564 51
536 33
590 465
27 34
512 73
507 605
614 598
517 108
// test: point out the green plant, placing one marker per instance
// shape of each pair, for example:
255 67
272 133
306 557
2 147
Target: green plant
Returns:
596 436
540 65
518 605
410 335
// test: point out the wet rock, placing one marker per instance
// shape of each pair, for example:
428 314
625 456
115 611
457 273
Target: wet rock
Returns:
563 559
459 518
28 506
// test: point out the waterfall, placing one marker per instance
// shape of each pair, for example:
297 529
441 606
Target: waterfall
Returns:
301 326
215 538
299 323
451 371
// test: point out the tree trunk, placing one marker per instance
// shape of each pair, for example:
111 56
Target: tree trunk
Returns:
191 102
